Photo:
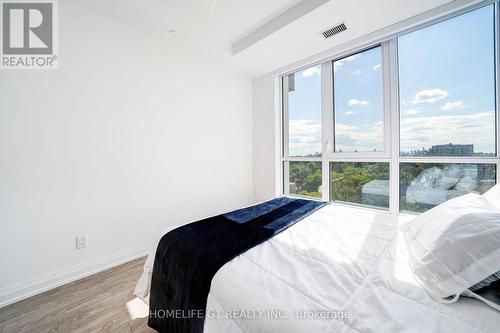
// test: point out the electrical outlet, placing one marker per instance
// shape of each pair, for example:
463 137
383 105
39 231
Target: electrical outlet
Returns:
81 241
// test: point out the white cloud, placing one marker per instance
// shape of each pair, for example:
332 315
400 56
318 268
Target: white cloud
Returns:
354 101
429 96
450 106
477 129
351 138
316 70
411 111
377 66
348 113
337 65
305 137
357 72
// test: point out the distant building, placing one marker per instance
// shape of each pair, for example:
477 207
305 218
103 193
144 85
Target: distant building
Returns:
451 150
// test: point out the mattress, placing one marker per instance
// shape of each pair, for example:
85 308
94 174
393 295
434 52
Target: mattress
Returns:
341 269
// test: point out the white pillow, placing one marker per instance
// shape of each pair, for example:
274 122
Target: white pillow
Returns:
493 196
454 246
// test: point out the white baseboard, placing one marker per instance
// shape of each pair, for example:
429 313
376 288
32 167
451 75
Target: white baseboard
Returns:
25 289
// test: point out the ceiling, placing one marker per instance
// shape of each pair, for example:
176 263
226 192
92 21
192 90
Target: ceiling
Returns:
211 27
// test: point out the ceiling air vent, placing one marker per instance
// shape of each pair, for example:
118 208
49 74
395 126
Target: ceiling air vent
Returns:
334 30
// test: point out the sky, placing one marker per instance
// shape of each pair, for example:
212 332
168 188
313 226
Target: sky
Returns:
446 78
358 102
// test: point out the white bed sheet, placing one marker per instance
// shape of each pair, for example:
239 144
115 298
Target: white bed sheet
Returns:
339 258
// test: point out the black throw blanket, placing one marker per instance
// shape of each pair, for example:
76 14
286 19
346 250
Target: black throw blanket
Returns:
188 257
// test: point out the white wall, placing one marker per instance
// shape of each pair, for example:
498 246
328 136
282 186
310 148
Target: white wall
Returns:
264 142
129 135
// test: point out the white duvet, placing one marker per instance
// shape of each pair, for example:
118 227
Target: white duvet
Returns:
339 261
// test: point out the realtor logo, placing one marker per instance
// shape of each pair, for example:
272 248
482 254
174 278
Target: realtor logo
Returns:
28 34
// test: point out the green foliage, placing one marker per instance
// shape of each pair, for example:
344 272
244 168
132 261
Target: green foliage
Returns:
313 182
310 194
347 179
307 178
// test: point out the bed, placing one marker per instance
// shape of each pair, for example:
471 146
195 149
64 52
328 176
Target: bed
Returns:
340 269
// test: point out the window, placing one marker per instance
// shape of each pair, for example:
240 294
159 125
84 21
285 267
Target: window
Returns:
302 132
357 84
360 183
303 178
302 113
425 185
447 87
403 124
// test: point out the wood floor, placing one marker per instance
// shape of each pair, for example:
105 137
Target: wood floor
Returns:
93 304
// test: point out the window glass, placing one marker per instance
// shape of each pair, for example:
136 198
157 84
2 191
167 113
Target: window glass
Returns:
357 84
447 87
302 112
302 178
447 108
425 185
360 183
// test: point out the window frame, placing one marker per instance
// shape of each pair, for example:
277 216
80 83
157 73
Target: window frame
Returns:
329 149
285 137
387 40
